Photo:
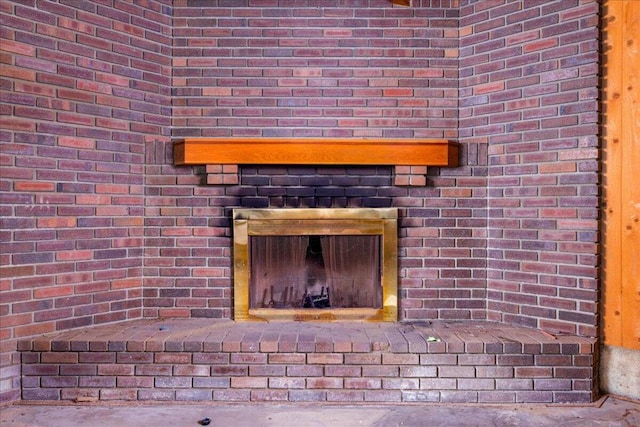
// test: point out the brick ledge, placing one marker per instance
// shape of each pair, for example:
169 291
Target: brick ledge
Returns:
209 335
224 361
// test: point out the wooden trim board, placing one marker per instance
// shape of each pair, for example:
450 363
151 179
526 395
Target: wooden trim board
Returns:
316 151
621 167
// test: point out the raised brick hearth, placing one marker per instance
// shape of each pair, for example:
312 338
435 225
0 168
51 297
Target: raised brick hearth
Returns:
220 360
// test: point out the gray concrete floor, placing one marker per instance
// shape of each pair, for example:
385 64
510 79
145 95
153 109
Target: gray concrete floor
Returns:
608 411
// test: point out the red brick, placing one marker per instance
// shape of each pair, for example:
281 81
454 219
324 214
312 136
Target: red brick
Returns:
287 358
153 370
420 396
456 372
574 372
533 372
249 382
401 383
269 395
418 371
171 358
476 359
211 382
78 394
288 383
438 384
41 394
96 357
58 382
363 383
172 382
345 396
269 347
307 396
145 394
362 359
552 360
573 397
382 396
229 370
325 358
304 371
135 358
400 359
455 396
194 395
380 371
534 397
515 360
134 382
240 358
342 371
551 384
191 370
210 358
55 357
438 359
476 384
79 369
267 370
40 369
323 383
96 382
494 372
496 397
232 395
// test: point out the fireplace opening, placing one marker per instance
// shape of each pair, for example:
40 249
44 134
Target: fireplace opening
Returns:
315 271
315 264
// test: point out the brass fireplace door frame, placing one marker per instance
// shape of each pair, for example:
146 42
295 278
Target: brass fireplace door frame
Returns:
316 221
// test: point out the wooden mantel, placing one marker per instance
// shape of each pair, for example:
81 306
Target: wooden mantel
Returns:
316 151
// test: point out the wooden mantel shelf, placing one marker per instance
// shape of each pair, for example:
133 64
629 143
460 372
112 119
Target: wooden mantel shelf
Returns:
316 151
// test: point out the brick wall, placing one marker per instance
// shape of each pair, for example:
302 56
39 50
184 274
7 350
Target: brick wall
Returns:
528 91
315 68
84 86
98 226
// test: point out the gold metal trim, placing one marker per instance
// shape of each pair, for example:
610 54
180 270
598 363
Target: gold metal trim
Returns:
326 221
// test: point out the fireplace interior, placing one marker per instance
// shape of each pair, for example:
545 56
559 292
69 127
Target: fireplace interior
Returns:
315 272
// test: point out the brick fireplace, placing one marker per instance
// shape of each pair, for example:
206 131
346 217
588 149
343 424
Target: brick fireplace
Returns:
117 263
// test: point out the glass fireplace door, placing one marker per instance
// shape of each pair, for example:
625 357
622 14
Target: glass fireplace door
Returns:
335 271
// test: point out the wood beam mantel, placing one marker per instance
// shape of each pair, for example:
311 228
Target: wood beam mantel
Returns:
316 151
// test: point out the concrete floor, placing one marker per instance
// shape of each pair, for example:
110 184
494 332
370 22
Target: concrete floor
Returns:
608 411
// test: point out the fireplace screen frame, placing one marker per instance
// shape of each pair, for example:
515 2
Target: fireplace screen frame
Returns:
381 222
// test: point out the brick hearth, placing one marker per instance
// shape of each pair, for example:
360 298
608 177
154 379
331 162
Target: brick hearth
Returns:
220 360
